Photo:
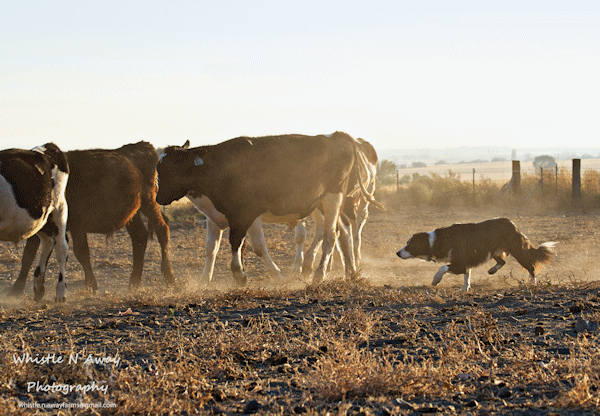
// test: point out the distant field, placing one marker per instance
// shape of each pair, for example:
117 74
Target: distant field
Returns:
496 171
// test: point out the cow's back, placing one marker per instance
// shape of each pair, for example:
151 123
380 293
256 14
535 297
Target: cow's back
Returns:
279 171
144 157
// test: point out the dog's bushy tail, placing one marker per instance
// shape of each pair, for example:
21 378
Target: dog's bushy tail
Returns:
544 253
532 258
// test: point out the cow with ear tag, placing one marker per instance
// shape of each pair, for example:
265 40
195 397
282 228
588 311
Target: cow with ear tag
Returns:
217 224
32 201
278 178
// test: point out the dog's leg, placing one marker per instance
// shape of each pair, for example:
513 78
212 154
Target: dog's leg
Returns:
467 284
438 276
532 279
499 263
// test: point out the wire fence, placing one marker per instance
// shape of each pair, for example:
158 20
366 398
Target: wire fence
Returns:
571 182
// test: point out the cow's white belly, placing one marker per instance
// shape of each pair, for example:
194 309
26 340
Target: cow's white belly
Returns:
15 222
290 219
206 206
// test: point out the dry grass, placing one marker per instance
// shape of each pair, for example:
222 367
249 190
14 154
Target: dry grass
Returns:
337 347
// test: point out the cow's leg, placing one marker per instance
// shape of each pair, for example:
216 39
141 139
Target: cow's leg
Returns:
29 254
59 216
213 242
338 252
467 284
345 243
40 271
259 246
300 237
139 240
311 253
152 210
81 250
236 237
331 206
362 213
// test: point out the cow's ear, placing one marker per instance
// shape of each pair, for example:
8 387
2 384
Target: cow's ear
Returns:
186 145
199 157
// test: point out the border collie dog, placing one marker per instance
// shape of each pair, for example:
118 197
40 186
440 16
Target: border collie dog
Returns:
465 246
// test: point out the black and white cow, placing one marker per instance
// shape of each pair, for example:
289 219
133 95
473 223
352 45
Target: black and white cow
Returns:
275 179
32 201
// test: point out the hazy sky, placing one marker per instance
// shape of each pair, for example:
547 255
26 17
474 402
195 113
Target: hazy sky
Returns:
401 74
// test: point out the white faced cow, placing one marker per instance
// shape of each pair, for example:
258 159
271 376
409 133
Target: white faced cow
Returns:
283 177
32 201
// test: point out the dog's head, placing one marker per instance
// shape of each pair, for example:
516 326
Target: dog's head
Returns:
419 246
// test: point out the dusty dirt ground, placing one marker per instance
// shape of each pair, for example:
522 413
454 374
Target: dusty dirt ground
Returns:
527 350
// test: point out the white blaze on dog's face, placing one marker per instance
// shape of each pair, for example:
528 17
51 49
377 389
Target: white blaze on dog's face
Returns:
419 246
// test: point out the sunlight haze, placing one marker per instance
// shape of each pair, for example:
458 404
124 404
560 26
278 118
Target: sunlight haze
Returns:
402 75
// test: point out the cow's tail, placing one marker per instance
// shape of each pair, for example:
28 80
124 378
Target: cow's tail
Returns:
365 175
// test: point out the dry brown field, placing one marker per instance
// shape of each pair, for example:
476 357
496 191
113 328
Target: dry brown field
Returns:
384 343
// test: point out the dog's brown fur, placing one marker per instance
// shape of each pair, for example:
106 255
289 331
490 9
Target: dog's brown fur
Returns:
465 246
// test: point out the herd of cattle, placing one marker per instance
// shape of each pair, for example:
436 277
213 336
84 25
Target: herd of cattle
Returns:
237 184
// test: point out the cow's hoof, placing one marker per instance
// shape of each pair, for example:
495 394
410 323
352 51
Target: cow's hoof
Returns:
203 282
318 277
240 279
61 292
168 275
15 293
38 294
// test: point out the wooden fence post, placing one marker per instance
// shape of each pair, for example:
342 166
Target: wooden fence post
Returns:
516 177
556 182
576 180
474 200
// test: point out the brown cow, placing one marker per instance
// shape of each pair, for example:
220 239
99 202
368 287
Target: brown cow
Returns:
281 178
107 190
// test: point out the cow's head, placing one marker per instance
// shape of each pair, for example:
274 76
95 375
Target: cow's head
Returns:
179 170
